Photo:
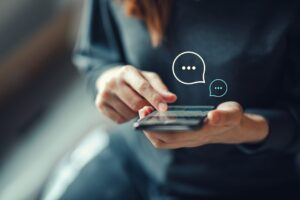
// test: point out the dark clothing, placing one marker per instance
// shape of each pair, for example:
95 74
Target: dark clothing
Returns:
116 174
253 45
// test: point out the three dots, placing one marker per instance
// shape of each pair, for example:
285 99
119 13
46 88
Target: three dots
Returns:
188 67
218 88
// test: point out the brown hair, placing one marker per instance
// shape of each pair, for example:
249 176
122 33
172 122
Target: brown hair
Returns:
154 13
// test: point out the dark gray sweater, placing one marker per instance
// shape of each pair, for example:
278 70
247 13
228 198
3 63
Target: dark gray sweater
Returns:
253 45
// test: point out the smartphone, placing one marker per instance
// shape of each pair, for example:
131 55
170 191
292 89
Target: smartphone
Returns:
177 118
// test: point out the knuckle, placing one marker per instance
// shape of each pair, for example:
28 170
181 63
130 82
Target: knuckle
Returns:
125 69
156 98
143 86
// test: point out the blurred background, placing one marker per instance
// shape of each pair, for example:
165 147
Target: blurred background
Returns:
45 109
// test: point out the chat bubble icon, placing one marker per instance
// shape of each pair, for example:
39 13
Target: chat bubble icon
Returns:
189 68
218 88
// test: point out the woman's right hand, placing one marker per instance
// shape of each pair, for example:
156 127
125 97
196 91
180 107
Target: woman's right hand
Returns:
123 91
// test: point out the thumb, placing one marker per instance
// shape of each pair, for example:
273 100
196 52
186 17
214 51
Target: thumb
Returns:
228 113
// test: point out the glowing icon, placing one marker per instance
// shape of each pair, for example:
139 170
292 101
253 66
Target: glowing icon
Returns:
189 68
217 88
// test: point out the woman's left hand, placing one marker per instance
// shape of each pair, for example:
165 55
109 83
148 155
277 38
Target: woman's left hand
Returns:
227 124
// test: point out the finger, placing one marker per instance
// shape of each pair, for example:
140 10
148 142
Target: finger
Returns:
156 82
171 146
184 138
167 137
228 113
179 145
121 107
159 86
111 113
145 111
154 141
135 80
159 144
133 100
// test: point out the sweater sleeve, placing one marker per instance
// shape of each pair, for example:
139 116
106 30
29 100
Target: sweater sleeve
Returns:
98 46
284 118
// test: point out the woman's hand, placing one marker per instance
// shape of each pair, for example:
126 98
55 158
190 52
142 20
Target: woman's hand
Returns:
228 124
123 91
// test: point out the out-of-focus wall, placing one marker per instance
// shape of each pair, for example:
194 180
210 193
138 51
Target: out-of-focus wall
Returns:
47 109
20 18
33 33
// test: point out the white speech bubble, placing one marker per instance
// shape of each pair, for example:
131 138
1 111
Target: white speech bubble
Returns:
189 83
218 84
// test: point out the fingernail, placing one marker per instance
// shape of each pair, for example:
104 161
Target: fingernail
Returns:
162 107
149 110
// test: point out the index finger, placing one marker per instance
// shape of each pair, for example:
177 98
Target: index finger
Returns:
136 80
159 86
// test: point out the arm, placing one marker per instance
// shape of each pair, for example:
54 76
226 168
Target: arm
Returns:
120 90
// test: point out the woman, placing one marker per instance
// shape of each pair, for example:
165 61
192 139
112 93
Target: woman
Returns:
127 48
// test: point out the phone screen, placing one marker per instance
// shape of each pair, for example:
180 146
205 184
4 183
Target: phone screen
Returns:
176 118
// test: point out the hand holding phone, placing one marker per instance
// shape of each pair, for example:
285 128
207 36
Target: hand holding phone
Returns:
227 124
